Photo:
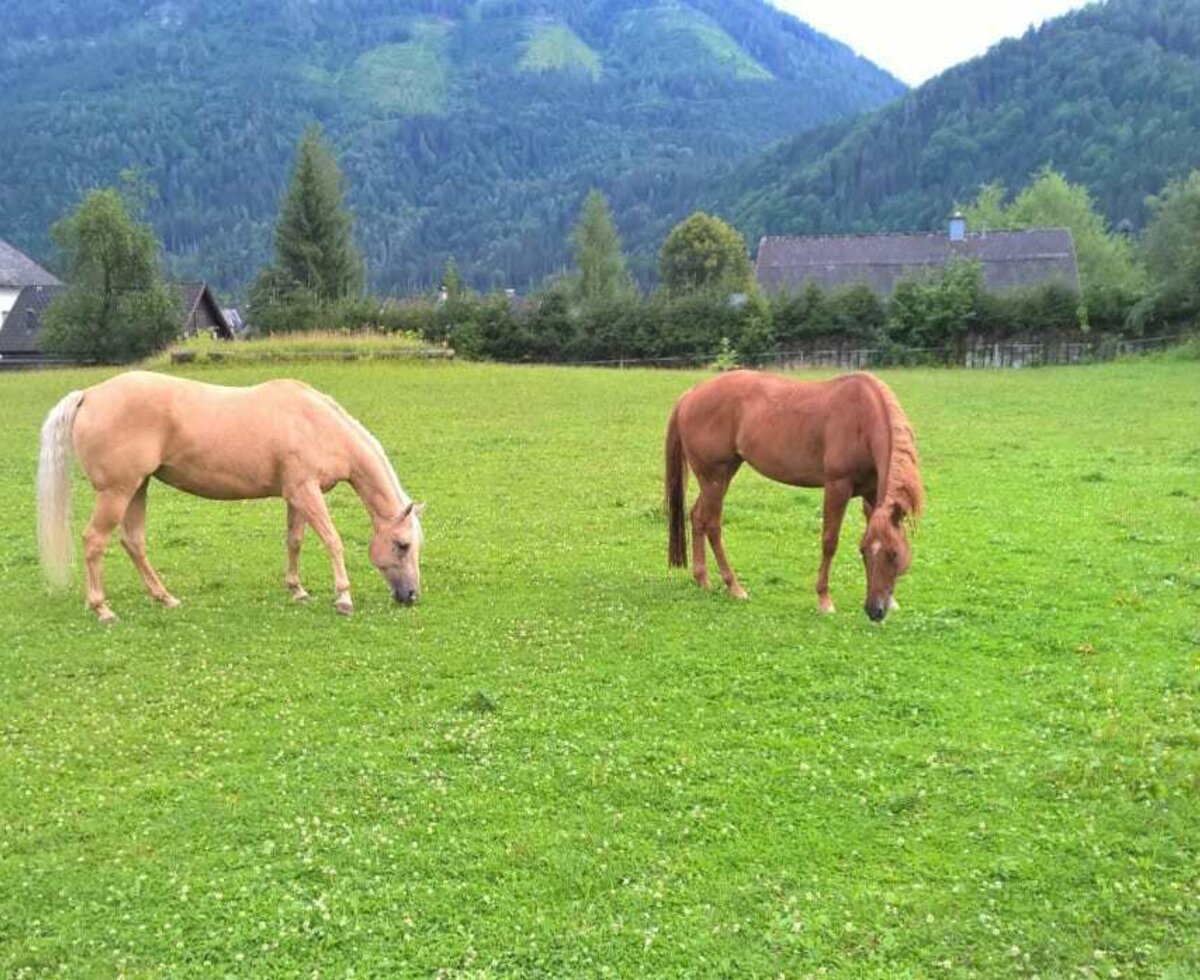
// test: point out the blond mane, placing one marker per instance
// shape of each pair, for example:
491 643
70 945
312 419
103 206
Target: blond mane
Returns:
365 434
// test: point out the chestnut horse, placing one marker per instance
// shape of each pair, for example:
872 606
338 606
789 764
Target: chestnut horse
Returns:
279 439
848 435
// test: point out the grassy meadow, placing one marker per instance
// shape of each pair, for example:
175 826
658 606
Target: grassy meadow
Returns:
567 761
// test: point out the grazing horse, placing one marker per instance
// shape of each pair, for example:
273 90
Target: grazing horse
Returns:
848 435
279 439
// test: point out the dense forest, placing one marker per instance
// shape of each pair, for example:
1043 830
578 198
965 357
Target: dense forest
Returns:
466 128
1107 95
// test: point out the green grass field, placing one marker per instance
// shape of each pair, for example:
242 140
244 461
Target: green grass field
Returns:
568 762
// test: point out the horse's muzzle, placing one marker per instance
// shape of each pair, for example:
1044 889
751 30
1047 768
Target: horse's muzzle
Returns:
876 609
405 596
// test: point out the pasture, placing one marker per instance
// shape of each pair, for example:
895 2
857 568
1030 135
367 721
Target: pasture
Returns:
568 761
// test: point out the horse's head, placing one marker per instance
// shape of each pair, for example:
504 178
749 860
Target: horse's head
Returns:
886 556
396 552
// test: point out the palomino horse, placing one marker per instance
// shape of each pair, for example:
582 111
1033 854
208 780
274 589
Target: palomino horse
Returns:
848 435
279 439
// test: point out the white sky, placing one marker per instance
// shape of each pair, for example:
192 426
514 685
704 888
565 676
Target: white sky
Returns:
917 39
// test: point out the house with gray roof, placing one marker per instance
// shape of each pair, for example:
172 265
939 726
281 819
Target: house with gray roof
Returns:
18 270
26 290
1009 259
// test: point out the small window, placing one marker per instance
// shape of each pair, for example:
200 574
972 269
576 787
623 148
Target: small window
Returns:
31 321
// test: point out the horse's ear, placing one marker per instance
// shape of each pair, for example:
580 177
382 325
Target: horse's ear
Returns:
407 510
419 509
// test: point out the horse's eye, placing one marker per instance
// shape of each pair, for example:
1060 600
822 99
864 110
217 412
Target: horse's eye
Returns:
402 546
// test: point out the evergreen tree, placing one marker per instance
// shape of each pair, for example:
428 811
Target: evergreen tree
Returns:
314 240
118 308
452 281
596 247
704 253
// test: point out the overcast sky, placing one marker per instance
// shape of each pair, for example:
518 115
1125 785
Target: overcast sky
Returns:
917 39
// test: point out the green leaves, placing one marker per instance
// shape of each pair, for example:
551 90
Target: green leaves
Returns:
117 308
703 253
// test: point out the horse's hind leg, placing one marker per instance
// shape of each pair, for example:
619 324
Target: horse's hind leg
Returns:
706 523
134 539
295 536
837 496
310 503
110 508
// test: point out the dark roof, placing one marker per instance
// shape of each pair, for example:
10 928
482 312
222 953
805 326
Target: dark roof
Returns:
21 331
1010 259
195 293
18 269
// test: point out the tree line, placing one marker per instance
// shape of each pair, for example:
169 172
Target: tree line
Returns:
706 303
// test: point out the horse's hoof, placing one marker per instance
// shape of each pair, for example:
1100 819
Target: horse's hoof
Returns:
300 595
738 592
105 616
826 606
170 602
705 584
344 606
893 605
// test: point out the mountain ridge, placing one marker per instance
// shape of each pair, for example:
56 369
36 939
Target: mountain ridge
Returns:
1105 94
470 128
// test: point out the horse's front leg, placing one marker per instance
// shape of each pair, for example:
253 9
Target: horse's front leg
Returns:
308 500
295 536
837 496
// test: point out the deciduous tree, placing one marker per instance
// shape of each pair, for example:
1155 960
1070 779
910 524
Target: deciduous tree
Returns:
704 253
117 307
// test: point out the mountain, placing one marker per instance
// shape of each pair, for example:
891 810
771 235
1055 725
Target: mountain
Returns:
1109 96
471 128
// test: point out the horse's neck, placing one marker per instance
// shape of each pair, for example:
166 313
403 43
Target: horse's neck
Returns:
372 481
881 447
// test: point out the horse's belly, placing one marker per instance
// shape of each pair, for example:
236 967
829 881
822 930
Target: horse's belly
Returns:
789 471
219 483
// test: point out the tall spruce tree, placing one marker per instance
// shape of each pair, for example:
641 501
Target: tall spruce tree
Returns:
314 240
596 247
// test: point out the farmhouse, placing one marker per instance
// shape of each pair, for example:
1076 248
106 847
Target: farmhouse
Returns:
1010 259
26 289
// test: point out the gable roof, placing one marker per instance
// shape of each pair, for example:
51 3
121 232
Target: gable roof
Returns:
195 293
1010 259
18 269
21 331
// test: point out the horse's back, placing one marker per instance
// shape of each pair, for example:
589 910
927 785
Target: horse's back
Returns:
780 426
211 440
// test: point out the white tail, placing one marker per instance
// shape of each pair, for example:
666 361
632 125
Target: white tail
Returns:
54 491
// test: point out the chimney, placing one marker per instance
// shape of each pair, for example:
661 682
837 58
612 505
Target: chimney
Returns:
958 227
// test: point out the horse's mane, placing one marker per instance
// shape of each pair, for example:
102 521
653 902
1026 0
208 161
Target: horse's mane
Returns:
377 449
903 483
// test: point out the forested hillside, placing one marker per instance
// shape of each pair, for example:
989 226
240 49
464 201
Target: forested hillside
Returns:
1109 96
471 128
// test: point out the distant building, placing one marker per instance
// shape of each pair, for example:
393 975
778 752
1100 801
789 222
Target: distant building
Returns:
26 289
1010 259
202 312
